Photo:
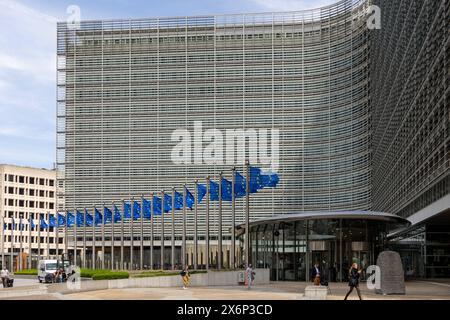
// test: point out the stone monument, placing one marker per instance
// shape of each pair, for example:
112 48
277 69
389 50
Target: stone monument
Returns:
392 278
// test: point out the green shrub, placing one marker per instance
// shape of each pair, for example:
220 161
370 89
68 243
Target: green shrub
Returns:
161 273
89 273
111 275
30 272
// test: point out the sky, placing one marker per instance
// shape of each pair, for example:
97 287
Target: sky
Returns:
28 60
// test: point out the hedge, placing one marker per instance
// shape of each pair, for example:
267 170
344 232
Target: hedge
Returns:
89 273
160 273
111 275
28 272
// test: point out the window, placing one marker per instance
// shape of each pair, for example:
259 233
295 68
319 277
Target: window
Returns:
31 192
10 202
42 182
51 205
51 183
11 190
41 193
31 180
21 191
31 204
10 178
21 203
51 194
21 179
42 205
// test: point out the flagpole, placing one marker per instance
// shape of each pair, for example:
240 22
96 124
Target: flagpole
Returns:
66 244
132 234
84 240
75 240
39 238
21 243
195 227
172 260
56 236
207 223
233 221
162 230
103 238
3 241
183 244
121 236
93 239
152 212
247 213
141 254
219 244
112 235
12 246
48 235
29 244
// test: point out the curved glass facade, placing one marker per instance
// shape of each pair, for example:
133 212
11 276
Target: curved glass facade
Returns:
290 245
124 86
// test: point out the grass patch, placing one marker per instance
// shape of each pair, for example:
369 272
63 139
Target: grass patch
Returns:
27 272
111 275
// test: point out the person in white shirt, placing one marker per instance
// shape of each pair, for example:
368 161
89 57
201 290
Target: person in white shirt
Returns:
250 275
4 274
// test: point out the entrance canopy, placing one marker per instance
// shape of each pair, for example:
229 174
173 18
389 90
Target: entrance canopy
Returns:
394 221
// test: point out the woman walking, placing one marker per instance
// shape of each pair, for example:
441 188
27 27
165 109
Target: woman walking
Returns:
185 277
353 281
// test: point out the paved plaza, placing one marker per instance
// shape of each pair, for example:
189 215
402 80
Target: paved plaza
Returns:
415 290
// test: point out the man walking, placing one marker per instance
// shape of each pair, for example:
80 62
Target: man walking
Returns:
250 276
4 274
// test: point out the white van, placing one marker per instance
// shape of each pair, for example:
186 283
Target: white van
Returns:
46 267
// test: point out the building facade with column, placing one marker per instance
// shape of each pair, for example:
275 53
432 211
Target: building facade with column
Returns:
359 118
26 193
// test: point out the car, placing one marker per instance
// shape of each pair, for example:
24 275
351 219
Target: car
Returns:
47 268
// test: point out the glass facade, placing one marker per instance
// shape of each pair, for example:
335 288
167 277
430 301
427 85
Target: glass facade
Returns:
289 246
124 86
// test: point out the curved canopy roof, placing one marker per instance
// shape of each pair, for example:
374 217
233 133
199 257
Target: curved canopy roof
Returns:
316 215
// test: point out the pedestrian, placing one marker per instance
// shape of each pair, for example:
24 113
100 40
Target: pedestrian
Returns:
185 277
353 282
4 274
315 273
249 276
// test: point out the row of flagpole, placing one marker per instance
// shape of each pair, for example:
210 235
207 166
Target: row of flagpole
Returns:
239 187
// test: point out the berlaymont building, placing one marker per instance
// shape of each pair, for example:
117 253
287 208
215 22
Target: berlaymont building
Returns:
353 99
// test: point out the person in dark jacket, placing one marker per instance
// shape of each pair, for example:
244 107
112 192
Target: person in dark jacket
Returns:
353 282
315 273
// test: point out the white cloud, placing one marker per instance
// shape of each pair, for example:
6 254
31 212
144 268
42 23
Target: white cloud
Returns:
290 5
27 82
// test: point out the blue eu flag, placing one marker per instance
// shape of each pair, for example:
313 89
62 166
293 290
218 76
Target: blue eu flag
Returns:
136 210
146 209
167 203
157 205
117 215
178 201
213 191
126 210
107 213
51 221
189 199
226 190
89 219
70 219
98 217
201 192
42 223
270 180
79 219
256 182
61 220
239 185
